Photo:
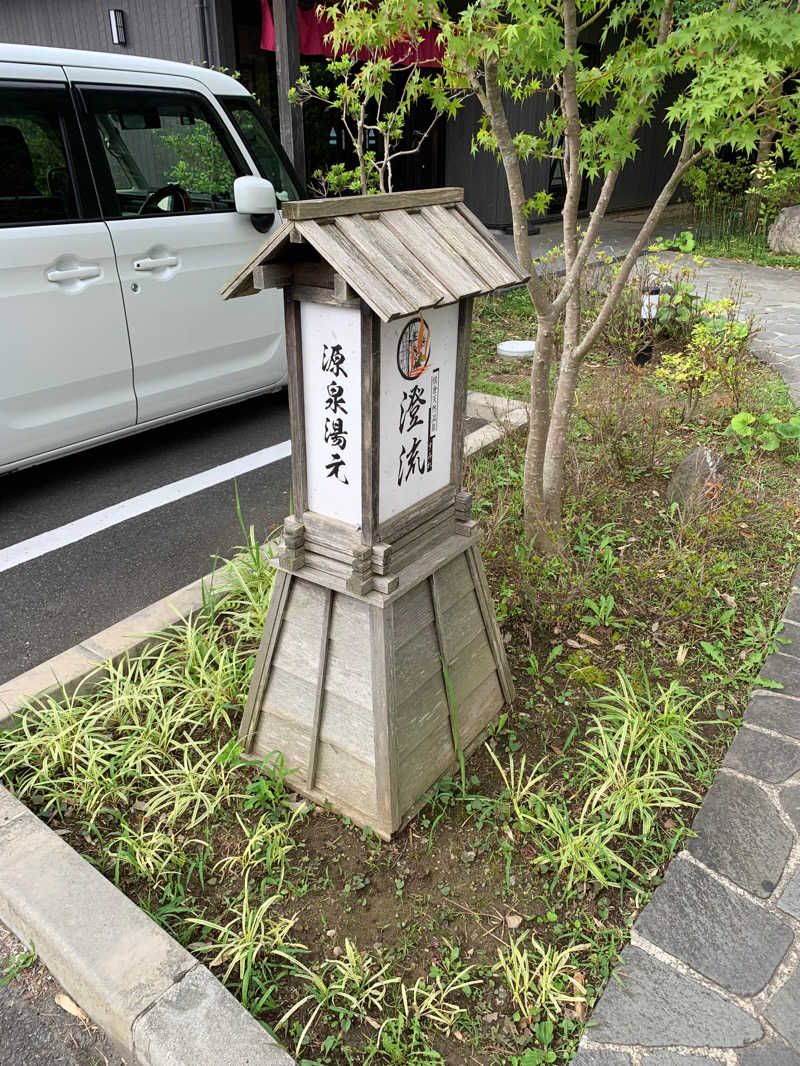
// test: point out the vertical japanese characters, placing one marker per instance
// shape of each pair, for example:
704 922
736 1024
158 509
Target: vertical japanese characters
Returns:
336 427
419 409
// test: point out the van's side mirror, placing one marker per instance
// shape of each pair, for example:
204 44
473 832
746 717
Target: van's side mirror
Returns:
256 197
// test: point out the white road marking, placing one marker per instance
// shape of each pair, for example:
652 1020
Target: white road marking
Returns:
53 539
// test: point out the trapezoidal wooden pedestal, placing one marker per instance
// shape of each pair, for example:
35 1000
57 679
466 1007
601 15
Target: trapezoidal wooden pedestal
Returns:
351 688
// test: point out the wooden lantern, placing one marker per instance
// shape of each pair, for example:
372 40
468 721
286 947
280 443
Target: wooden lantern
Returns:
381 658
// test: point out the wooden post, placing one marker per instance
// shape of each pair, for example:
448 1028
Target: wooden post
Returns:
381 666
287 62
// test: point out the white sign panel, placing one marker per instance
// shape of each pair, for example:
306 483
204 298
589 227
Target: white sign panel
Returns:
417 396
331 344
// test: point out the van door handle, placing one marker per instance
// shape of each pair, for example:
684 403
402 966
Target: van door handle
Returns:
155 264
74 273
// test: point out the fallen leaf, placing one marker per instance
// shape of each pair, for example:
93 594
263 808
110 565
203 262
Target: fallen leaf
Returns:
591 640
71 1007
573 644
680 658
330 932
728 599
579 984
513 921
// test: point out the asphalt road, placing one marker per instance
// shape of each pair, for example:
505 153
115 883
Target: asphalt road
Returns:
35 1030
63 596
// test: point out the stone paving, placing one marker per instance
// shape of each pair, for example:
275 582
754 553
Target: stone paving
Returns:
712 973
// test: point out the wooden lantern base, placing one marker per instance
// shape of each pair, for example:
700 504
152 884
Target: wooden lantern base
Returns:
351 688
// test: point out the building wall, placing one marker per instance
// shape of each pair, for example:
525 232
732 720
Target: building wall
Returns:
483 178
166 29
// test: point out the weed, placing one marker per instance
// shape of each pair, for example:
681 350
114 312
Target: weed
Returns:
15 965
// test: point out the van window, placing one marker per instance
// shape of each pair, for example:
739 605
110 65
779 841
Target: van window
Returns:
166 152
256 134
35 182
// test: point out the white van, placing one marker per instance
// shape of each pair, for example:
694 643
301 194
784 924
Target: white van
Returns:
131 189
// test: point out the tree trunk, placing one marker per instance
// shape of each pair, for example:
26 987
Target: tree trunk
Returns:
535 522
556 447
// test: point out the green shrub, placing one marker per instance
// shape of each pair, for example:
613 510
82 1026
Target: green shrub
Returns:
716 183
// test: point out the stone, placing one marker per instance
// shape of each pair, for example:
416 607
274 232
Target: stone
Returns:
655 1006
792 612
784 233
763 756
696 478
783 1011
784 670
769 1055
592 1057
109 956
773 711
790 898
672 1058
790 801
788 640
726 938
197 1022
741 836
10 808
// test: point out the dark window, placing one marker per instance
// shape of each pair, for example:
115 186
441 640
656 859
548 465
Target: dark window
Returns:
260 140
35 181
167 153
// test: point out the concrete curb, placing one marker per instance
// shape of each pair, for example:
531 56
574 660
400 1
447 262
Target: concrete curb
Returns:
160 1004
77 665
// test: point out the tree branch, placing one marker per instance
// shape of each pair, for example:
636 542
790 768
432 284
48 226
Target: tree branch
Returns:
686 160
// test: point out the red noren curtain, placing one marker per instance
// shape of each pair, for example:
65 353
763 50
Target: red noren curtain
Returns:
312 31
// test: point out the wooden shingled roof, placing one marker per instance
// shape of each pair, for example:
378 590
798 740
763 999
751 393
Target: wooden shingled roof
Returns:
400 252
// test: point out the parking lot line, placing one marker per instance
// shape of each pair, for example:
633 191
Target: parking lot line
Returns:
26 550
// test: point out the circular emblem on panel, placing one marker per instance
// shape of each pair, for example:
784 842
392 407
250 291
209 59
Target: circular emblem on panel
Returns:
414 348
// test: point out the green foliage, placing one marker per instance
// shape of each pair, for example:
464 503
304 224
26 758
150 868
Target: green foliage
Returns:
683 242
401 1042
375 98
776 189
766 432
716 183
712 357
14 966
201 163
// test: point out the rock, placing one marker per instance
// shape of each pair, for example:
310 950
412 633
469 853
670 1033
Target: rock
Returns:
782 1012
741 836
591 1057
695 480
672 1058
790 801
769 1055
763 756
790 897
773 711
691 916
650 1004
783 670
784 235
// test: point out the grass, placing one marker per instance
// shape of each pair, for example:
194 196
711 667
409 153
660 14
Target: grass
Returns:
485 932
743 249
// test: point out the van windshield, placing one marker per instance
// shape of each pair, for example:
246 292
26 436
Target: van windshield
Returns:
254 130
